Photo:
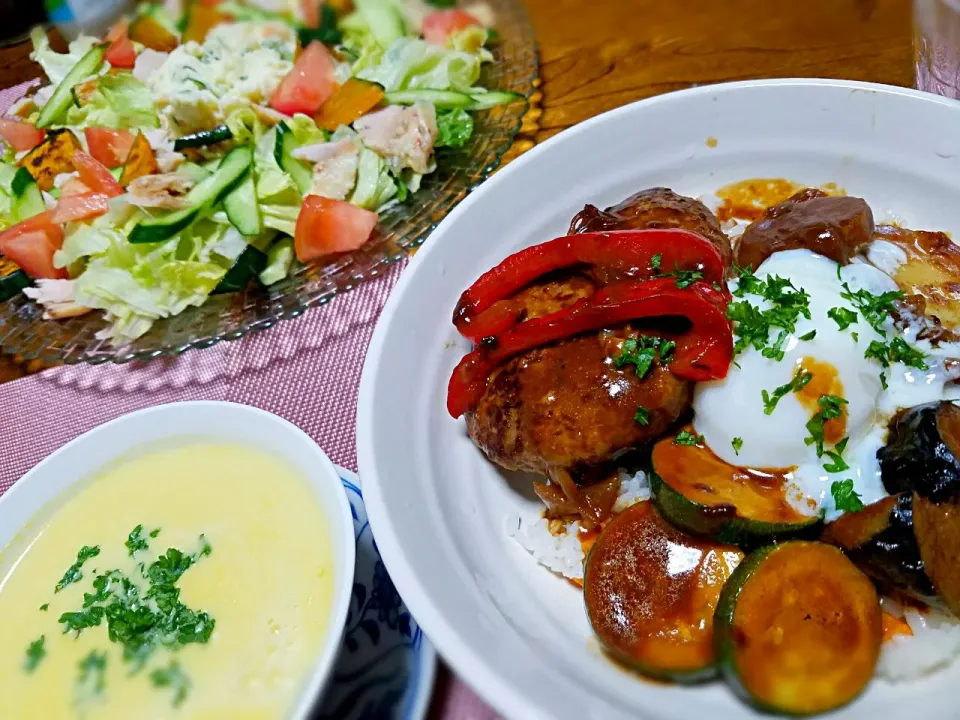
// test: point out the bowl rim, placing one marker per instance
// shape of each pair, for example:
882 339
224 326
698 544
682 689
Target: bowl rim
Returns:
326 473
465 661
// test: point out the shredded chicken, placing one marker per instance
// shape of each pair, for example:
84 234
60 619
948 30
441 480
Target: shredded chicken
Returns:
148 62
335 168
58 298
404 136
165 191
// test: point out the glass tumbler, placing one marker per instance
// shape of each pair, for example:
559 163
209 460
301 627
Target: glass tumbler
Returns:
937 46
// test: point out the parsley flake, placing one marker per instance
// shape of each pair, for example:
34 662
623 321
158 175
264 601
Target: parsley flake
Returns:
685 437
798 383
73 573
754 325
737 443
683 278
845 497
136 542
655 262
837 464
44 607
642 351
92 670
35 653
642 415
809 336
172 677
842 316
897 350
830 408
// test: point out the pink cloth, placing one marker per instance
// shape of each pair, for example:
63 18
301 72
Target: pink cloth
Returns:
306 370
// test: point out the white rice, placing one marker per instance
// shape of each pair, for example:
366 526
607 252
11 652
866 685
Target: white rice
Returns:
562 553
934 645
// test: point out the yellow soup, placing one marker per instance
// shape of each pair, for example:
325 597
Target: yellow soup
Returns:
264 586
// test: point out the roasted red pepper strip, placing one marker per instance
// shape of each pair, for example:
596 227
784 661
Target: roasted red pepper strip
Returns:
703 352
630 251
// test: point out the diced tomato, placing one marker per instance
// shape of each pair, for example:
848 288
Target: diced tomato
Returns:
122 53
37 222
74 186
441 24
309 84
20 135
80 207
33 251
95 175
107 146
328 226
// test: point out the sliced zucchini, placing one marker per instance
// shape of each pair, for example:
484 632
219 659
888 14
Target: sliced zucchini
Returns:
922 453
384 20
12 279
699 492
937 529
881 542
202 138
62 97
279 261
204 195
27 198
247 266
282 151
798 629
648 615
242 209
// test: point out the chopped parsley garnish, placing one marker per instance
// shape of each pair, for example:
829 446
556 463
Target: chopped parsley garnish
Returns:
883 381
35 653
136 542
642 415
642 351
737 443
830 408
798 383
655 262
809 336
837 464
685 437
73 573
843 317
845 497
44 607
92 669
81 620
897 350
683 278
172 677
874 308
753 325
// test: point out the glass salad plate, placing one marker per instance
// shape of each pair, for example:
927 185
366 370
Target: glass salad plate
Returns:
402 228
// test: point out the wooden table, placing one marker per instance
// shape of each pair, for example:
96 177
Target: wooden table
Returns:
599 54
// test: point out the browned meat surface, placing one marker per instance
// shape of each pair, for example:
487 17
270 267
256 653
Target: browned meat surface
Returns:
566 405
549 296
828 225
655 208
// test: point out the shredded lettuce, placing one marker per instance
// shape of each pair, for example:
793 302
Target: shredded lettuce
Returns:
245 126
375 184
454 128
413 64
281 217
305 130
7 172
274 186
471 40
120 101
57 65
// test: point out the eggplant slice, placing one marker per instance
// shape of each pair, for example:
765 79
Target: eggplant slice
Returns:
922 451
937 529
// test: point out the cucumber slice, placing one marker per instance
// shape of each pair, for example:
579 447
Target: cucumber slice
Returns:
442 99
279 261
698 492
282 150
194 172
62 97
27 198
249 264
206 194
798 629
384 20
487 100
242 209
204 137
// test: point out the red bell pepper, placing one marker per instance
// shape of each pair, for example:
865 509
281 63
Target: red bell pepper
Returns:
478 314
703 352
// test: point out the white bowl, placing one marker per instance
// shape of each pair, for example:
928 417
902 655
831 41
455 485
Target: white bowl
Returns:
216 421
516 633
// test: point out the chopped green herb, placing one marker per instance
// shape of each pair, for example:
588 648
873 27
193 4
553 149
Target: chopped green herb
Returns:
642 415
683 278
874 308
172 677
81 620
44 607
809 336
798 383
845 497
135 541
830 407
855 335
883 380
897 350
655 262
73 573
92 670
642 351
842 316
35 653
716 286
753 325
154 533
667 348
685 437
837 464
737 443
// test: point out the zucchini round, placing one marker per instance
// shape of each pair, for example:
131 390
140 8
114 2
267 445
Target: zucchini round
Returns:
922 452
648 614
798 629
697 491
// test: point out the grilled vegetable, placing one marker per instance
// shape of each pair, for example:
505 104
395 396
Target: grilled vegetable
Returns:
204 137
650 615
140 161
880 540
922 452
937 529
349 102
697 491
201 19
798 629
12 279
51 157
149 33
